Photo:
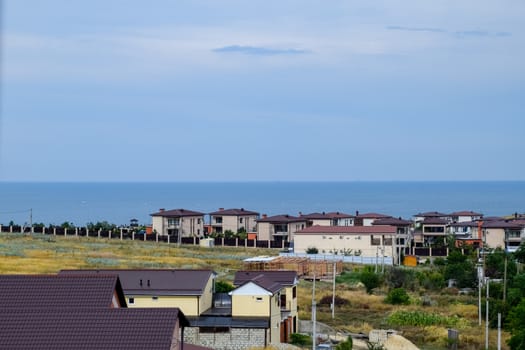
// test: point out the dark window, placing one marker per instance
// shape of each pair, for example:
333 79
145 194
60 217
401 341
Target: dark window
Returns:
375 240
214 329
294 292
131 301
154 298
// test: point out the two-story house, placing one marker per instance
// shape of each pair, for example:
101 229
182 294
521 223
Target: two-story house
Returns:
178 223
465 216
234 220
279 227
328 219
367 219
288 279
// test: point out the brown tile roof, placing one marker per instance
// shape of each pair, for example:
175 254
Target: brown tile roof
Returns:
392 221
158 282
264 282
429 220
372 216
432 214
326 216
177 213
234 212
356 230
465 213
281 219
284 277
116 329
50 291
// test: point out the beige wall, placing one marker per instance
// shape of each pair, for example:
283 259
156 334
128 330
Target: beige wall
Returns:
322 222
264 231
189 226
326 243
495 237
251 305
233 223
206 299
189 305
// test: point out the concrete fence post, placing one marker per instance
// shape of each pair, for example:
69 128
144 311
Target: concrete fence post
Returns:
121 234
54 231
11 229
156 237
99 233
109 235
132 235
145 237
76 231
269 244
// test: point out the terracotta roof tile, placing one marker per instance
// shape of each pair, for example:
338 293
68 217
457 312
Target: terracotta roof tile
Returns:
284 218
177 213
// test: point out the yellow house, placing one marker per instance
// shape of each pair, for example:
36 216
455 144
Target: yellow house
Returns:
288 280
260 298
189 290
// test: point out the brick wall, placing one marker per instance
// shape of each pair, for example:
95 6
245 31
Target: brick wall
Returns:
235 339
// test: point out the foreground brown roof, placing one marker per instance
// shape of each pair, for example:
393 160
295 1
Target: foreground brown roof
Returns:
177 213
159 282
116 329
234 212
284 277
379 229
50 291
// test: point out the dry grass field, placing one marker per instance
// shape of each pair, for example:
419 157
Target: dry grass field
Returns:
24 254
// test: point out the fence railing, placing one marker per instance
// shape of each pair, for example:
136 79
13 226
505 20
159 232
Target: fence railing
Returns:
127 234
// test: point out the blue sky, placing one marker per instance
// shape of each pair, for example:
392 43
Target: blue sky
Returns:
285 90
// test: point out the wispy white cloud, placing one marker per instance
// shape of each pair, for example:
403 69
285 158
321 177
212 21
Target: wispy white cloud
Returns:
417 29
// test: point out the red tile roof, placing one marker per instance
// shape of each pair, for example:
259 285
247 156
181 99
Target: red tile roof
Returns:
116 329
234 212
392 221
158 282
177 213
326 216
50 291
432 214
357 230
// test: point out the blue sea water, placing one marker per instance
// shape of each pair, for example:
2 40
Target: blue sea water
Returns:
81 203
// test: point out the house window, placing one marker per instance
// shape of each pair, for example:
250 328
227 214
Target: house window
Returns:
294 292
375 240
155 298
240 220
174 222
258 299
198 221
218 219
131 301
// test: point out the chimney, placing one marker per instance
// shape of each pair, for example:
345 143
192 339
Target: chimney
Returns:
300 213
264 216
161 209
221 209
357 213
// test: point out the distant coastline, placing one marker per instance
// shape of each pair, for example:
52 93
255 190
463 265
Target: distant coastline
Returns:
118 202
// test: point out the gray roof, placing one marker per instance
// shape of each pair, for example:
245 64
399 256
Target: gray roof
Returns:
234 212
177 213
284 277
116 329
157 282
50 291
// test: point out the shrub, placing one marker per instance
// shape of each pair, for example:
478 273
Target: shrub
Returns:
371 280
327 300
312 250
346 345
398 296
223 287
300 339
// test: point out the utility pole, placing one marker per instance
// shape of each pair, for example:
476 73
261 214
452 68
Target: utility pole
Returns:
314 315
333 291
487 316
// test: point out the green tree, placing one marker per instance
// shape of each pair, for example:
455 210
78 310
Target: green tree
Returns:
461 268
371 280
516 320
223 287
397 296
346 345
300 339
312 250
495 264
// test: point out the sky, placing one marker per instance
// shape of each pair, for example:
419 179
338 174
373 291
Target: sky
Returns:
126 90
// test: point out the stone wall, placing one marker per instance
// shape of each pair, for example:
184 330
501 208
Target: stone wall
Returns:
235 339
